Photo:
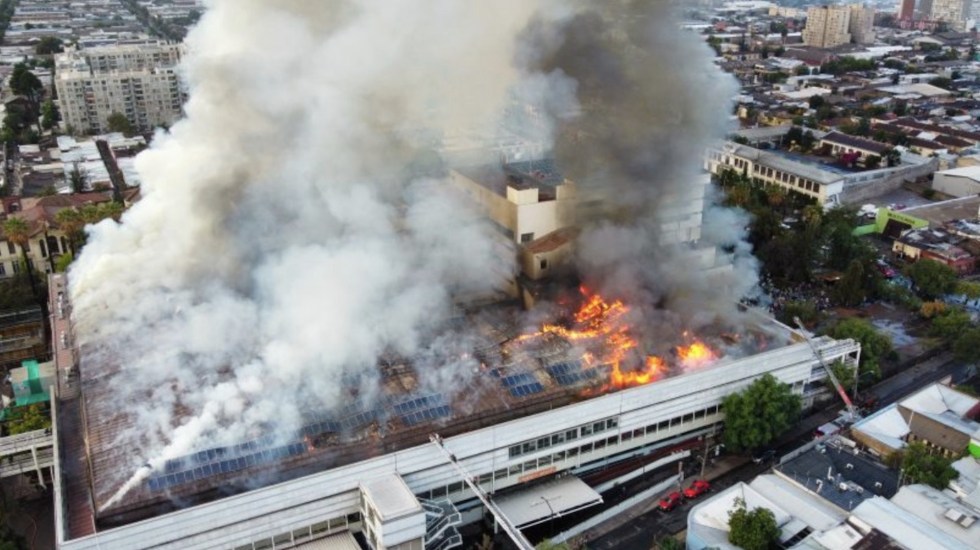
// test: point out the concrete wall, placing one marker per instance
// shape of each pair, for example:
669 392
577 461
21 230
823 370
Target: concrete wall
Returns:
956 186
876 184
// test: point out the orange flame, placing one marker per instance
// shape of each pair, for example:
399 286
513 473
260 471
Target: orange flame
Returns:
601 327
698 354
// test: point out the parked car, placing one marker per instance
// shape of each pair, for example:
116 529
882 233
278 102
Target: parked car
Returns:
698 488
764 456
885 269
670 501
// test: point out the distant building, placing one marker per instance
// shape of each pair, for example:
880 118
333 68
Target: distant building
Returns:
861 24
938 416
958 182
138 81
21 336
934 244
827 26
907 10
953 12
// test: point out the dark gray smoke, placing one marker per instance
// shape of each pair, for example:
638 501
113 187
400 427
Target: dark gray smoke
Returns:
296 226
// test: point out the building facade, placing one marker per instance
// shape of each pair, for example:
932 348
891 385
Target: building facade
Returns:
138 81
827 26
573 439
907 10
861 24
953 12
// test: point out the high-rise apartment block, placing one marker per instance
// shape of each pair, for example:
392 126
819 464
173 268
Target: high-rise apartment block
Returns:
827 26
139 81
906 10
953 12
861 25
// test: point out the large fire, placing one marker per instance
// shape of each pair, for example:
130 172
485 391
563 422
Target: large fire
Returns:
602 328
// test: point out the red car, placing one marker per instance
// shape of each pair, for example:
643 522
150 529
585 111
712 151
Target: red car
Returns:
670 501
698 488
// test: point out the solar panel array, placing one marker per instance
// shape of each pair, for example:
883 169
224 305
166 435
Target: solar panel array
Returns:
571 373
522 384
423 409
235 464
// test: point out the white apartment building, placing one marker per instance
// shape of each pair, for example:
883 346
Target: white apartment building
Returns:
827 26
139 81
954 12
862 24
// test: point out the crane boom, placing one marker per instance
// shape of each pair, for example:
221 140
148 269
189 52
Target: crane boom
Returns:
830 372
513 532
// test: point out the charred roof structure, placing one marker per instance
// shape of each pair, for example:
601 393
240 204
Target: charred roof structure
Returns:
523 375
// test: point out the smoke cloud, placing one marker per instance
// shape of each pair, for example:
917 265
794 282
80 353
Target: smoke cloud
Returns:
296 226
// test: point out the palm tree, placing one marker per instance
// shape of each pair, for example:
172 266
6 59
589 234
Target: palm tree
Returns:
18 232
70 221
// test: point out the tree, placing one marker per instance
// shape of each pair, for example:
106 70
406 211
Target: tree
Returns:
893 157
49 45
874 345
920 466
27 419
970 290
77 178
759 414
950 324
816 101
754 529
872 162
18 232
548 545
805 310
63 261
849 291
932 279
669 543
967 346
942 82
119 123
25 83
49 115
70 221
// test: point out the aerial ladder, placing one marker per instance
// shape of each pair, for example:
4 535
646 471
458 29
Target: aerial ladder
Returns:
830 372
512 531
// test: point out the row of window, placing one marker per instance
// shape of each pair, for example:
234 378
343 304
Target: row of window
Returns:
558 438
786 178
310 532
534 465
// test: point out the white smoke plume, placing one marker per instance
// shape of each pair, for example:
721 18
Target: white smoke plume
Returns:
295 228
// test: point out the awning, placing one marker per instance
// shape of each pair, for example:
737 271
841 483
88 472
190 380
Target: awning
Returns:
547 500
342 541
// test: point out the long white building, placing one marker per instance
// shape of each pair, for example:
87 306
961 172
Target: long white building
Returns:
396 499
139 81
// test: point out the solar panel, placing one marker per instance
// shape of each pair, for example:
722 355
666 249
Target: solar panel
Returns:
517 380
525 390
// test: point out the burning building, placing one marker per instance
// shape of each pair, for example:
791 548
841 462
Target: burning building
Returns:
263 350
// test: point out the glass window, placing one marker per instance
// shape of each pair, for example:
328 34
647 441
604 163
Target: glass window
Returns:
572 452
687 418
515 451
301 534
282 540
612 440
544 461
560 455
663 425
557 439
338 523
321 527
599 426
571 435
500 474
544 443
612 423
586 430
530 465
514 470
587 448
484 478
439 492
456 487
600 444
262 544
627 436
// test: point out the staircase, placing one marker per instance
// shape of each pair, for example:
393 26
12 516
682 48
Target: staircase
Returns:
441 519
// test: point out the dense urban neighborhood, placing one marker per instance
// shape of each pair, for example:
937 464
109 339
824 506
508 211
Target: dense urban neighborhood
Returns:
603 275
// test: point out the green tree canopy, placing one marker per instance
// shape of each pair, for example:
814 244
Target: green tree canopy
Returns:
759 414
119 123
932 279
754 529
920 466
950 324
49 115
874 345
850 291
27 419
966 347
49 45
